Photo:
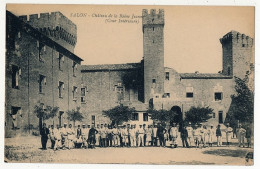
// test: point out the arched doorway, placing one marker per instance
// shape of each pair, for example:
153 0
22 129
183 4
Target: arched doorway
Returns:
178 118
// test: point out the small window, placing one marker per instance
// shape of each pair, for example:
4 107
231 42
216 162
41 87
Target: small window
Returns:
243 45
74 68
145 116
61 88
83 95
218 96
16 73
135 117
213 115
189 95
42 82
74 92
166 95
41 50
61 61
154 80
167 76
93 119
15 111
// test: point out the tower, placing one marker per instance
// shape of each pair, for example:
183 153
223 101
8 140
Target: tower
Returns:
153 48
237 54
56 26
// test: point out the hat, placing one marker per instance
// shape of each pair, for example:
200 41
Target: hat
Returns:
189 122
83 124
65 123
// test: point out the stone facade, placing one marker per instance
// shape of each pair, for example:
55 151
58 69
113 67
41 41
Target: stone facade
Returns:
40 51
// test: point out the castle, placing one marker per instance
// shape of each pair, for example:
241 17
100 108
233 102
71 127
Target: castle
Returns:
42 68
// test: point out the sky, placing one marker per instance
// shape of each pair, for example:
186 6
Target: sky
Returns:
191 33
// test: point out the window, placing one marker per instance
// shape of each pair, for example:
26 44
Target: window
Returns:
93 119
15 111
220 116
167 76
153 28
189 95
61 60
166 95
16 73
74 92
135 117
42 49
189 92
60 117
213 115
42 82
120 91
218 96
74 67
61 88
243 45
154 80
145 116
83 95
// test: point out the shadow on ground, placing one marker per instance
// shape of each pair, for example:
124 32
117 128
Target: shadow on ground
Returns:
227 152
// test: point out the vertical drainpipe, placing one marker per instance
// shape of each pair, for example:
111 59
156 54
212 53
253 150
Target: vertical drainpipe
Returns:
28 87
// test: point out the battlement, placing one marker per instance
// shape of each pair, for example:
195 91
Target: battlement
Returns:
55 25
154 17
237 37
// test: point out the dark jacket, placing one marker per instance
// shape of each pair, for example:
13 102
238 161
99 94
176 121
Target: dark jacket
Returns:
184 132
79 133
44 132
218 132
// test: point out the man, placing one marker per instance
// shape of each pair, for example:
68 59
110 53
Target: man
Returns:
184 135
71 136
160 133
190 134
84 133
219 136
52 137
109 136
211 134
78 141
149 136
229 133
140 132
103 136
64 136
241 137
196 136
173 135
145 134
124 134
58 138
98 136
44 131
132 135
116 139
154 135
92 136
248 136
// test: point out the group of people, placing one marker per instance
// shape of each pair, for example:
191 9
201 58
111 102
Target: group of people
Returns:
104 135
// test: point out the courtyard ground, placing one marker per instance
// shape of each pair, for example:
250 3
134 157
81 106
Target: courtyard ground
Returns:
27 150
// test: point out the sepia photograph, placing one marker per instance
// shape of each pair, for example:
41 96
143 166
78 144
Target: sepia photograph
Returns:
129 84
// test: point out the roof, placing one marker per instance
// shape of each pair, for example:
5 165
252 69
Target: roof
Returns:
109 67
204 76
43 38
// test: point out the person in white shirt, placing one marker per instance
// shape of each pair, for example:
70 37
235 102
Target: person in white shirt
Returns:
149 136
241 136
84 136
57 135
116 139
190 134
64 136
140 132
132 135
71 136
52 137
229 133
197 136
173 134
98 136
154 135
211 133
103 136
205 136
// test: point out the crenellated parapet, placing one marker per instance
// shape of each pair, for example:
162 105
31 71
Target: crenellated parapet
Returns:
154 17
54 25
238 38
